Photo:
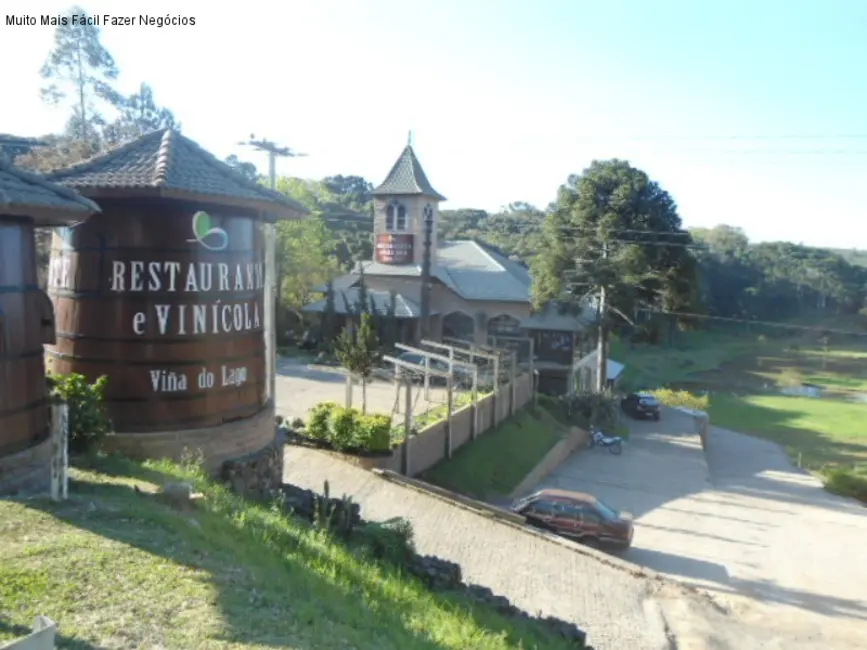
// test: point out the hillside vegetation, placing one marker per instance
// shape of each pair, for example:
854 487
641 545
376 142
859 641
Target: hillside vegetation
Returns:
117 568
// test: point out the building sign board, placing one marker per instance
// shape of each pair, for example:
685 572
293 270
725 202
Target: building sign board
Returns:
394 248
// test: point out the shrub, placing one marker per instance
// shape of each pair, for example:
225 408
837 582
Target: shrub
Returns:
374 432
343 426
684 398
348 428
592 410
848 482
391 541
319 422
88 421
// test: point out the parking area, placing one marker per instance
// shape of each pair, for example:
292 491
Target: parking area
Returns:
739 521
300 387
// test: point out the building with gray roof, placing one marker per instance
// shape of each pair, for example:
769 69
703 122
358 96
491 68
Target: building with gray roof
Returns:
477 294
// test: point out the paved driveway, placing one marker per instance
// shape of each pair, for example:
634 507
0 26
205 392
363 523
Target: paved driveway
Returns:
619 610
742 523
300 387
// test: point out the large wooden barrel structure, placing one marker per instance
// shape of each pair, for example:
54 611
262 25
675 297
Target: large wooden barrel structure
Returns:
177 326
164 293
26 323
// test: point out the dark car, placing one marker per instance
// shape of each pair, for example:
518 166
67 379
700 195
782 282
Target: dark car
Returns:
578 516
641 406
462 376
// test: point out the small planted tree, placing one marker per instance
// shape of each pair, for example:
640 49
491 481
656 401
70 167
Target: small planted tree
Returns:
359 352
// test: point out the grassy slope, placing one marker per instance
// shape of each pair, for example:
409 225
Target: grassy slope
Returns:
494 464
117 569
825 432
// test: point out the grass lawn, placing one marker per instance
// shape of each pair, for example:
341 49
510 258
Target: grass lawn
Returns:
711 360
494 464
649 366
824 431
118 569
827 436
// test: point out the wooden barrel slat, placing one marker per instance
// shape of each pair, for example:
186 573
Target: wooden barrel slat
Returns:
23 393
139 298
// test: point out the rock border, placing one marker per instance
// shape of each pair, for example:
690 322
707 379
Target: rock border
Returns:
437 574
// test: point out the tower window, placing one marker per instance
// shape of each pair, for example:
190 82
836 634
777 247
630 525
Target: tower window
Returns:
395 217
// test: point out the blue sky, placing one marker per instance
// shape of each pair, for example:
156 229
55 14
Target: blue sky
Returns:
749 113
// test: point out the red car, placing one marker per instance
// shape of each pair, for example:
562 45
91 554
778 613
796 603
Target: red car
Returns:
578 516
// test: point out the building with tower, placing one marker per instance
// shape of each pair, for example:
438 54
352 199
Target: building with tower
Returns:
476 293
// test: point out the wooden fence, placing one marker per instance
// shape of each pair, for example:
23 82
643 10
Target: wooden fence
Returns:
439 440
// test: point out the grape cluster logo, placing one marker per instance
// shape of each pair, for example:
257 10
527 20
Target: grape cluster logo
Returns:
211 237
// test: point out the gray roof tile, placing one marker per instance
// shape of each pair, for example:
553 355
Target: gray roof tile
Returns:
552 318
174 166
24 193
470 269
407 178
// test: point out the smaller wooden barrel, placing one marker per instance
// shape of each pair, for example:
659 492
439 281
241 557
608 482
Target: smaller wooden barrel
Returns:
166 299
24 310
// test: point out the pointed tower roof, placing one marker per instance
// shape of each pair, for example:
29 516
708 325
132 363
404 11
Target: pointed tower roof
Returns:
407 178
25 194
166 164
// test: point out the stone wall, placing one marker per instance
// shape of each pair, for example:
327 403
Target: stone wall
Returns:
256 475
28 471
217 444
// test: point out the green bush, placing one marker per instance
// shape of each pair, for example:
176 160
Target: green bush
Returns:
319 423
347 428
390 541
88 421
343 426
591 410
374 432
684 398
847 482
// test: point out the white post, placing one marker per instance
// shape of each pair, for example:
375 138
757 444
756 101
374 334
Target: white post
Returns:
449 416
269 311
513 371
475 430
427 378
60 450
496 398
348 390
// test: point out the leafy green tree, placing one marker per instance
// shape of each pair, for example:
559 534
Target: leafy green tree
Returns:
246 169
80 66
57 151
139 114
305 260
358 350
614 234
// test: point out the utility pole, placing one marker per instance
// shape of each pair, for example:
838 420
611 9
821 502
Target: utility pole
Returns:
602 340
269 233
425 272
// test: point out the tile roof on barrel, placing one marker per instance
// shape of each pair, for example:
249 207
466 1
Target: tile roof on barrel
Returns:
25 194
407 178
167 164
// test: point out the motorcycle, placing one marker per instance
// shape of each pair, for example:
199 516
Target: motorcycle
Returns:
614 444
